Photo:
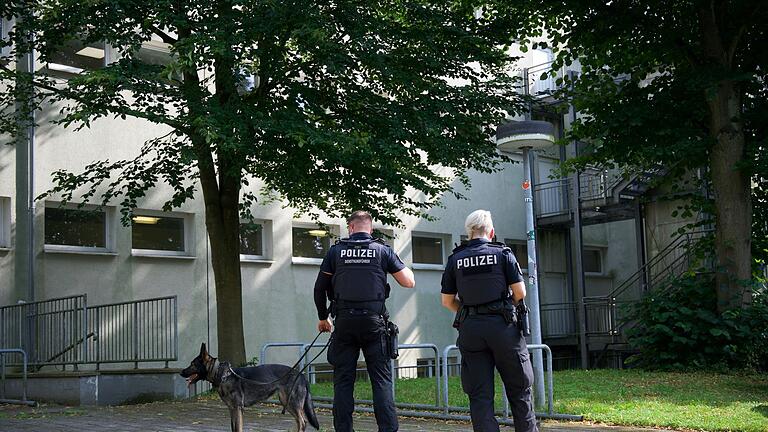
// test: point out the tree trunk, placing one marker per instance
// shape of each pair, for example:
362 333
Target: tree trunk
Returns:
222 221
731 184
733 203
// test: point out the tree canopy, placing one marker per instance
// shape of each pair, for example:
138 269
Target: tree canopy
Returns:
673 83
341 89
334 106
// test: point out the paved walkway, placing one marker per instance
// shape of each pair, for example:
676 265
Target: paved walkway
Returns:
210 416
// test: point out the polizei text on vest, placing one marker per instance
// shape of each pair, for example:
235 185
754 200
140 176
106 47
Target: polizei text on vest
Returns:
476 261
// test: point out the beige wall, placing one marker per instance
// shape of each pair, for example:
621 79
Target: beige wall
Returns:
277 295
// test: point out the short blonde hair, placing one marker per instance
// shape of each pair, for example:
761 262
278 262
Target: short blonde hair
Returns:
478 222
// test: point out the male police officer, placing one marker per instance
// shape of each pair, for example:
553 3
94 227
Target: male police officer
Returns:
488 280
354 277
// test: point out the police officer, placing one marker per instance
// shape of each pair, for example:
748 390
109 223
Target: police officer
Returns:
353 276
489 282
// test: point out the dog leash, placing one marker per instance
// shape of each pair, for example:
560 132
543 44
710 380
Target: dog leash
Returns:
293 368
296 379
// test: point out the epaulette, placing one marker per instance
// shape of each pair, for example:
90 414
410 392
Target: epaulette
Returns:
499 245
459 248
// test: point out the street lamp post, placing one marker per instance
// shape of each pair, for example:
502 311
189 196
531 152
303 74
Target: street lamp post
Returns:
526 136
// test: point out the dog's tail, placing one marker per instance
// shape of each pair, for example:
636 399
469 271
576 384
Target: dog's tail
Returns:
309 409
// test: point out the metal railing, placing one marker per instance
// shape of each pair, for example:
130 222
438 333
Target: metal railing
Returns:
51 332
441 409
600 314
539 86
553 198
134 331
395 370
23 400
604 313
671 261
558 319
550 413
66 331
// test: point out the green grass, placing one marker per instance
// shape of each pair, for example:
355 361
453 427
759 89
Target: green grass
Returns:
699 401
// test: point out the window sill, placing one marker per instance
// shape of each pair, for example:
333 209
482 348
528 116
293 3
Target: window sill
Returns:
70 71
306 261
77 251
159 254
246 259
4 249
433 267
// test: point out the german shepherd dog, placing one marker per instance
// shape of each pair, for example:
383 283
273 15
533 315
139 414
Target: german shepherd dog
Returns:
242 387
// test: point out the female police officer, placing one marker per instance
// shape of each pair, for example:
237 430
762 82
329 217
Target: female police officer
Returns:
354 276
488 279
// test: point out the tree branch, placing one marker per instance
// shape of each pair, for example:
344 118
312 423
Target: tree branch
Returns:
111 108
736 39
163 35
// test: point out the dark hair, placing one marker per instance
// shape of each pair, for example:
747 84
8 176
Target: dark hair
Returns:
361 216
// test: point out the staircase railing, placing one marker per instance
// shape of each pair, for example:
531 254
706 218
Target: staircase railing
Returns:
554 197
604 312
671 261
66 331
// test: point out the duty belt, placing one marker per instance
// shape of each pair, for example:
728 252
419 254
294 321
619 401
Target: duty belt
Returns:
503 308
374 307
493 308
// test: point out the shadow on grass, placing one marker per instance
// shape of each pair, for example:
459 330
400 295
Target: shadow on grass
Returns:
612 386
762 409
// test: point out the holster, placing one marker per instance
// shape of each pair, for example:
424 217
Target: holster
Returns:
523 324
391 332
461 315
509 313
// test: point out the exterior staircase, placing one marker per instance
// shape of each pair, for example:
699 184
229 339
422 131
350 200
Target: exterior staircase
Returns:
605 314
604 196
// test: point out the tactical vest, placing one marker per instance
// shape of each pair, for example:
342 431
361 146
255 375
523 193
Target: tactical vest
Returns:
479 272
359 274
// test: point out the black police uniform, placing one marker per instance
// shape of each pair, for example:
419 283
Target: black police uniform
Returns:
481 272
359 266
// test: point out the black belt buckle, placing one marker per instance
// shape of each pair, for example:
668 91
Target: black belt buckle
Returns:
359 312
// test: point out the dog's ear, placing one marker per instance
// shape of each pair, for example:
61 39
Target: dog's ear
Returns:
203 351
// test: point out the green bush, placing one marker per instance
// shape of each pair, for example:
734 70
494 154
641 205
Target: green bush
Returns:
678 327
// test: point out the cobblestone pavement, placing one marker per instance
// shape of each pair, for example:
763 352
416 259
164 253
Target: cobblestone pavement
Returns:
210 416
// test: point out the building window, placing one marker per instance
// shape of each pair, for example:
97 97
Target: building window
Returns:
75 57
5 45
5 222
311 242
593 260
520 249
71 228
252 239
160 233
428 249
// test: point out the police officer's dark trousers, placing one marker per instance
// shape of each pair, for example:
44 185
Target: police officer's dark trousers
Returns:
356 330
485 342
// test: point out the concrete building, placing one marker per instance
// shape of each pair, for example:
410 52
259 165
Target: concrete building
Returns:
167 254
